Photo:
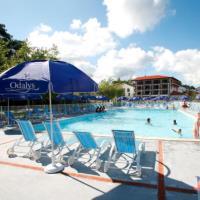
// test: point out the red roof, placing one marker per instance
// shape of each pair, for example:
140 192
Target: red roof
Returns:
150 77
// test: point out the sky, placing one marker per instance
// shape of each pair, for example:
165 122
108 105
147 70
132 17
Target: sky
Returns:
113 38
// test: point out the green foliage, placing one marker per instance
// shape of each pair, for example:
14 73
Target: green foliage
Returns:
192 94
110 89
189 87
3 33
13 51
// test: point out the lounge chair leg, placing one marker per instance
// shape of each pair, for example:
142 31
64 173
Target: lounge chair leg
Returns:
138 167
98 161
75 155
106 166
107 163
11 153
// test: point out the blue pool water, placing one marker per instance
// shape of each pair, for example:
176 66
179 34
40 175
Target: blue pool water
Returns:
133 119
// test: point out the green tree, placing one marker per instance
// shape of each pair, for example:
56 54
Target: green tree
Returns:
13 51
110 89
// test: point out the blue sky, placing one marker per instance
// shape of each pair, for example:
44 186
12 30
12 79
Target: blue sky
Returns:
133 37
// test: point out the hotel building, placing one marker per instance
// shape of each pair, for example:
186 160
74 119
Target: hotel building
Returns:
156 85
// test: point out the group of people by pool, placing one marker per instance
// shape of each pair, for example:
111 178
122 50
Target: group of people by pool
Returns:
175 128
100 109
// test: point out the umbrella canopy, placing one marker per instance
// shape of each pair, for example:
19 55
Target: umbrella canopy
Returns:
184 98
122 98
173 98
36 76
42 76
69 97
135 99
21 97
102 98
161 98
147 98
88 97
198 97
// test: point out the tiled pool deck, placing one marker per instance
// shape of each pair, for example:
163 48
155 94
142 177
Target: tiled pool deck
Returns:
170 170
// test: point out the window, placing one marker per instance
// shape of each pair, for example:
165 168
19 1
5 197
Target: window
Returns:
165 86
156 87
164 92
140 82
147 87
147 82
147 93
155 92
165 81
156 81
128 89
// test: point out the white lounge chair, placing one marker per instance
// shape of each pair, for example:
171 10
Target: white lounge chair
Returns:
28 140
124 143
87 142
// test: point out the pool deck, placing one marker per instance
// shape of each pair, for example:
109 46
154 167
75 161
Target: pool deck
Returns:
169 171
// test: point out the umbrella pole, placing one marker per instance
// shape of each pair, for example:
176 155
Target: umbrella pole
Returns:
8 114
51 122
53 167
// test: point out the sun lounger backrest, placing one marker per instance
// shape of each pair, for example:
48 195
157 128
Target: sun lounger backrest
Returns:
86 140
10 116
27 130
124 141
57 135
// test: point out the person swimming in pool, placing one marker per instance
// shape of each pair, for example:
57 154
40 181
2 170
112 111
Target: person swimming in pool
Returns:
103 109
174 122
177 130
148 121
98 109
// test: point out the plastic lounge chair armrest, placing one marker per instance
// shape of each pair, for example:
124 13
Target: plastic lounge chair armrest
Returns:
112 149
104 144
141 147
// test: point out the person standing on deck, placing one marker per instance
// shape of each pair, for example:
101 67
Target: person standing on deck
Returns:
197 127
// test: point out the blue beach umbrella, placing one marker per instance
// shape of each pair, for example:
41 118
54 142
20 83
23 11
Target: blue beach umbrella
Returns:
135 99
173 98
102 98
88 97
161 98
21 97
122 98
46 76
69 97
145 98
198 97
184 98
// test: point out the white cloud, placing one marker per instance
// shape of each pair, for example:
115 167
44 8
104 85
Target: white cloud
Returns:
132 61
90 39
84 65
44 28
184 62
123 63
128 16
76 24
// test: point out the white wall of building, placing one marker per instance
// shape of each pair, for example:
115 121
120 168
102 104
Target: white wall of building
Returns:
181 89
128 90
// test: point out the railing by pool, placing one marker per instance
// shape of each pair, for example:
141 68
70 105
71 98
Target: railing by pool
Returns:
59 110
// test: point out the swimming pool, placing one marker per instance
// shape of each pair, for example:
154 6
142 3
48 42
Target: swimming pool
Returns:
133 119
